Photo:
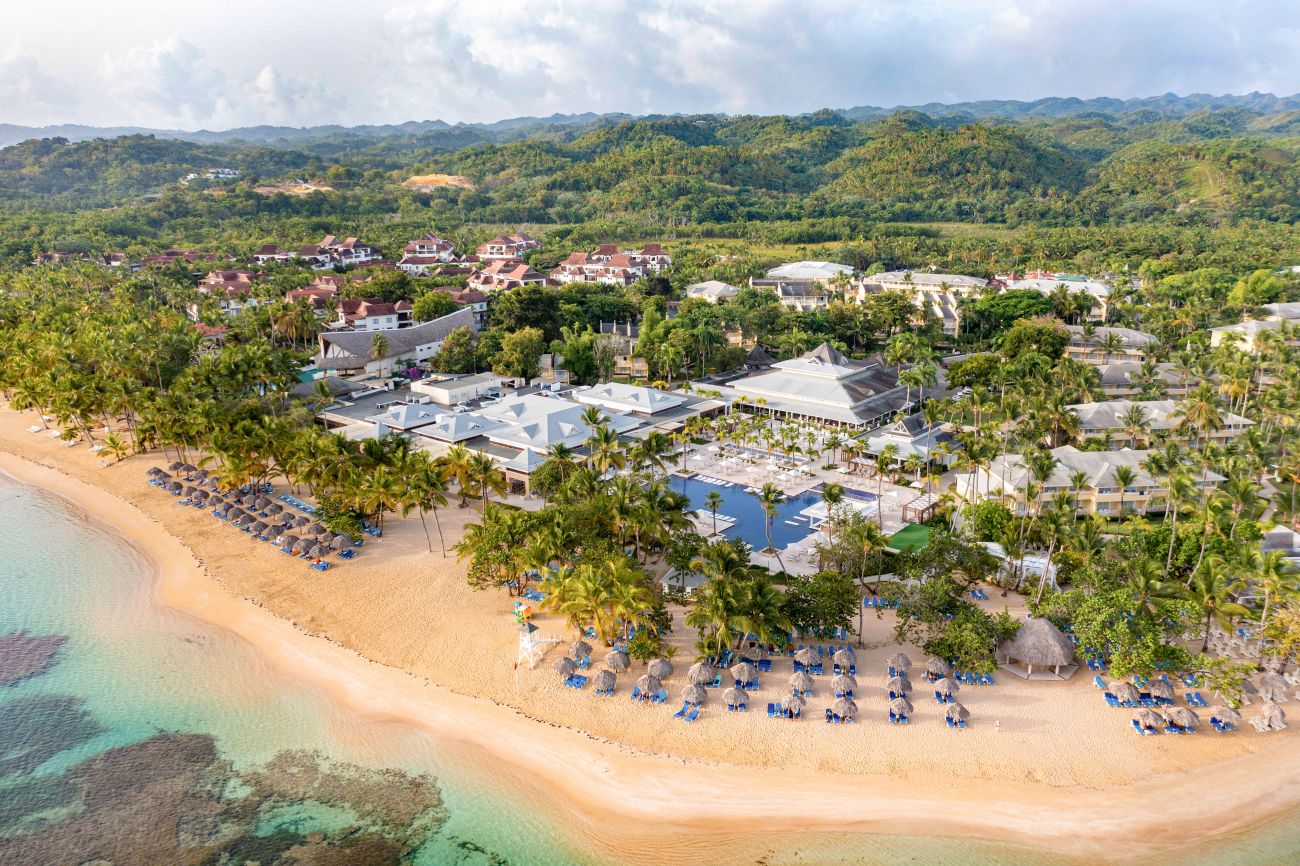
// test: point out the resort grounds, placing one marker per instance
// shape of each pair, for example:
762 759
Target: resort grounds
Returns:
1042 763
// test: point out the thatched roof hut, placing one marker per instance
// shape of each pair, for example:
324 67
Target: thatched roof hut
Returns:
694 694
565 666
701 672
1039 644
899 662
579 650
844 683
617 661
844 708
743 672
899 685
1149 719
661 668
1182 717
735 696
801 681
649 684
900 706
958 713
604 680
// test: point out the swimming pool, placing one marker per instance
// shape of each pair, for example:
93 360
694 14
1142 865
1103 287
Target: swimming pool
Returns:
788 526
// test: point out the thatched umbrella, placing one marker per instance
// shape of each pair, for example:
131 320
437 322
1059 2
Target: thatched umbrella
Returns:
1149 719
936 667
806 656
1162 690
175 487
189 491
899 685
565 666
701 672
661 668
801 682
234 511
152 471
1126 692
649 684
795 703
314 529
341 542
289 542
174 466
958 713
201 495
694 694
900 706
1182 717
732 697
274 508
844 683
260 526
1226 714
844 658
744 672
1039 643
617 661
604 681
261 502
844 708
579 650
203 473
1272 715
315 551
301 521
1272 687
221 512
756 652
899 662
945 686
187 467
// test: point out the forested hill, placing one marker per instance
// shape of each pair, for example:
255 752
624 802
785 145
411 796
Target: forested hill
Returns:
1205 166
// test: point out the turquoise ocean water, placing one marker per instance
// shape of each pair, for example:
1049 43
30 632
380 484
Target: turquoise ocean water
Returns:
156 738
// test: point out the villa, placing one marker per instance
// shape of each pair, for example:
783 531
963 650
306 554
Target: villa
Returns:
1124 379
712 291
348 251
938 295
233 290
1106 344
372 314
804 286
271 253
822 385
503 274
362 351
618 269
1111 418
1088 476
1047 284
1250 335
507 247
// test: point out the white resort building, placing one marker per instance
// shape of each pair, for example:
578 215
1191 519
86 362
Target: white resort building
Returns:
1111 419
938 295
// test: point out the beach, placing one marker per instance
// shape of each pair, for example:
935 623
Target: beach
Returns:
397 634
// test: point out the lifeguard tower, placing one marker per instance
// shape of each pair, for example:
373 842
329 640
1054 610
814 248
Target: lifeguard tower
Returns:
532 644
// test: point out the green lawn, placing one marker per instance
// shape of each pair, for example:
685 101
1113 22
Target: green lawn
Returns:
911 537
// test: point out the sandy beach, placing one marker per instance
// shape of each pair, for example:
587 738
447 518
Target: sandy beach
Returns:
397 634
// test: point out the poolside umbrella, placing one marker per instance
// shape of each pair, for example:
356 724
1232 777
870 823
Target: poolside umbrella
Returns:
565 666
1162 690
844 683
174 466
1149 719
744 672
605 681
900 662
1273 716
936 667
695 694
1182 717
1126 692
900 706
844 708
735 696
701 672
649 684
617 661
806 656
958 713
579 650
289 542
945 686
1272 687
274 509
1225 714
795 702
899 685
661 668
844 658
801 682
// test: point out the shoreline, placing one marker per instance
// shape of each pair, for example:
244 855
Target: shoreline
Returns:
627 788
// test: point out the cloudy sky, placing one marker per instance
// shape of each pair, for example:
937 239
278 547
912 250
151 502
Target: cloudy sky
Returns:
206 64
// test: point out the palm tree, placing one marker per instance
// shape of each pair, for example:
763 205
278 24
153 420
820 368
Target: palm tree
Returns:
426 484
1124 477
713 501
1147 584
485 477
115 446
604 452
457 464
832 495
769 497
1272 574
884 460
1213 593
378 347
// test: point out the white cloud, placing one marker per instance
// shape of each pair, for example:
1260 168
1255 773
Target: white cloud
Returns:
174 64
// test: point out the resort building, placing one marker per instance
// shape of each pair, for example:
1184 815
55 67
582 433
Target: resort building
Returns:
804 286
712 291
1104 345
617 269
455 389
912 436
1128 378
368 352
432 245
372 314
936 295
1282 312
1252 334
503 274
507 247
1115 421
232 289
822 385
1049 284
348 251
270 253
1088 476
